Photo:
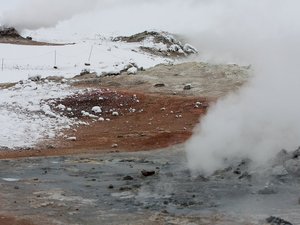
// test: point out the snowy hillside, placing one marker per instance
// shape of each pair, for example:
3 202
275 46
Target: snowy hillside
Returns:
20 62
26 116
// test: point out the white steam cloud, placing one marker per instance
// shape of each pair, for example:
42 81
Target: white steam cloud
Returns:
263 117
34 14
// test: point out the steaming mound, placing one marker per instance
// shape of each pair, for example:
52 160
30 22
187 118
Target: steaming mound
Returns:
9 32
159 43
9 35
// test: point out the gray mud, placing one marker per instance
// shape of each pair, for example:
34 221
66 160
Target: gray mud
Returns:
110 189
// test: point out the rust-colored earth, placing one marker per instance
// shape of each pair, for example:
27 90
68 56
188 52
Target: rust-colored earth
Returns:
141 121
8 220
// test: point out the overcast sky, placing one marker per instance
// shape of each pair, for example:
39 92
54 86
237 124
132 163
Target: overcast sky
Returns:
8 4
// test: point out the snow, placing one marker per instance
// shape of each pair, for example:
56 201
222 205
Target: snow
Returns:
21 62
26 118
11 179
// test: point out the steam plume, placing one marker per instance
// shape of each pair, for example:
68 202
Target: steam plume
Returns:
34 14
263 117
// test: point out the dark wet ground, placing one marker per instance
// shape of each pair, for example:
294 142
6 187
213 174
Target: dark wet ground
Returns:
111 189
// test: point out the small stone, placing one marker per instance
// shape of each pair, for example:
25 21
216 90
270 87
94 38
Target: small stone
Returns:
267 190
277 221
111 186
187 87
128 178
71 139
97 109
125 189
159 85
146 173
115 146
50 147
279 171
115 114
292 166
131 71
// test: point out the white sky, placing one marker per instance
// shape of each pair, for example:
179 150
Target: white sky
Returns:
4 4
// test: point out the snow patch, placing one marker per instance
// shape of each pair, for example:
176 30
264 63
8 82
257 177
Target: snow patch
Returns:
26 117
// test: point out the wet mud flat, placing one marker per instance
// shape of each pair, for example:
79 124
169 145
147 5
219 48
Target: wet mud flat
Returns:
141 188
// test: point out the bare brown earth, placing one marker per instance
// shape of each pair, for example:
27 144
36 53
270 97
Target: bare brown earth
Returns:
162 113
145 122
7 220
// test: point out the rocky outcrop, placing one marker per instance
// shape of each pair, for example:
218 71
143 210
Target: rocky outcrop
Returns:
9 32
159 43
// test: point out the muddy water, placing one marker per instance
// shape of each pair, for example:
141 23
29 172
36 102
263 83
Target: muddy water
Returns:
110 189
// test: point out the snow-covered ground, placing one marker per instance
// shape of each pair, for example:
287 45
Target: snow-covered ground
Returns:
25 115
26 118
21 62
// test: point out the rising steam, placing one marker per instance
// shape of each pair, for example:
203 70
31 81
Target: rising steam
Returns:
34 14
263 117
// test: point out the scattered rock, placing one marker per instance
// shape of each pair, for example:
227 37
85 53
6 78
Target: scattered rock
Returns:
277 221
267 190
246 176
279 171
128 178
115 114
159 43
115 146
131 71
71 139
125 189
293 166
50 147
146 173
159 85
190 49
55 78
35 78
97 109
187 87
296 154
111 186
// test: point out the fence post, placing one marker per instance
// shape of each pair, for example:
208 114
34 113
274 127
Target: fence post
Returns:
55 58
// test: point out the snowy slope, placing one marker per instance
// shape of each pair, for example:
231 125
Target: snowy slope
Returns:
25 118
25 115
20 62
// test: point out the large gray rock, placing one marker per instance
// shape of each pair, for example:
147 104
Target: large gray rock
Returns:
293 166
